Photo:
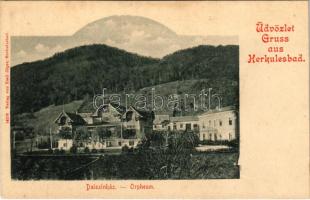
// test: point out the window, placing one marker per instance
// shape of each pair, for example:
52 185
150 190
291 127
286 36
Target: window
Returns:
210 136
181 125
188 126
230 136
174 126
214 123
196 127
131 143
221 123
210 123
203 125
230 121
203 136
119 143
65 145
63 120
129 116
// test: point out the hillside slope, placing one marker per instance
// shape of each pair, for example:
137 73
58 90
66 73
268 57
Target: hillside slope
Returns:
83 71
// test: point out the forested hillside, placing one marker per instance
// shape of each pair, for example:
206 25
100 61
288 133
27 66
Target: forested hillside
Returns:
84 71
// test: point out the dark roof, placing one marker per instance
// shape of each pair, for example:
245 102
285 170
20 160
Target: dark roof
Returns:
223 109
118 108
144 113
121 109
76 118
161 118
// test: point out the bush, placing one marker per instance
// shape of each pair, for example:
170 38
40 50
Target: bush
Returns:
94 151
50 151
73 149
44 145
125 149
232 143
86 150
61 151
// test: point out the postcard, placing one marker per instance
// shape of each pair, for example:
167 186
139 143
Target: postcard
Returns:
160 99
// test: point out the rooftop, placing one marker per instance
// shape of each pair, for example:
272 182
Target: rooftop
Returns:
223 109
183 119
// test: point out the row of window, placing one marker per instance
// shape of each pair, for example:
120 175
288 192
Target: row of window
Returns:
131 143
188 126
217 123
109 144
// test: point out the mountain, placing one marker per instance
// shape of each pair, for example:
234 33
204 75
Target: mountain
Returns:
81 72
132 33
71 75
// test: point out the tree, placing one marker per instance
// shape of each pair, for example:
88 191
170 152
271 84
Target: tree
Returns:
65 133
73 149
82 133
103 132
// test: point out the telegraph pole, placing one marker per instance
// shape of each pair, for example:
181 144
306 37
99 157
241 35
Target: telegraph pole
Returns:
210 98
121 130
51 138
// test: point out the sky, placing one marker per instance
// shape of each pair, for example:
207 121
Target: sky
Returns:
138 29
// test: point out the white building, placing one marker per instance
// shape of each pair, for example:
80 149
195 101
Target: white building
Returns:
220 124
183 123
65 144
161 122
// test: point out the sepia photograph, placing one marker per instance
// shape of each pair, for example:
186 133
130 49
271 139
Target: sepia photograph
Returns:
124 98
154 99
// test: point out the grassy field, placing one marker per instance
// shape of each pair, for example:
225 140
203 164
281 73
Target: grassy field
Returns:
43 119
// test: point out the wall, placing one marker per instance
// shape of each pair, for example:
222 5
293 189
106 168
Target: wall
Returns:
216 126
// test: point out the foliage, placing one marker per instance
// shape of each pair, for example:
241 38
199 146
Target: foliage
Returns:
73 149
125 149
94 151
82 133
86 150
179 140
129 133
231 143
61 151
83 71
103 132
65 133
44 145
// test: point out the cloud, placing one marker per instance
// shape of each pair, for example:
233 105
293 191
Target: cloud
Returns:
57 48
41 48
21 54
110 42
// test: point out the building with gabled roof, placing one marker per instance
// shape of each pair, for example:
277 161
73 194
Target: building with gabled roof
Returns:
161 122
139 121
110 126
108 113
183 123
69 119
